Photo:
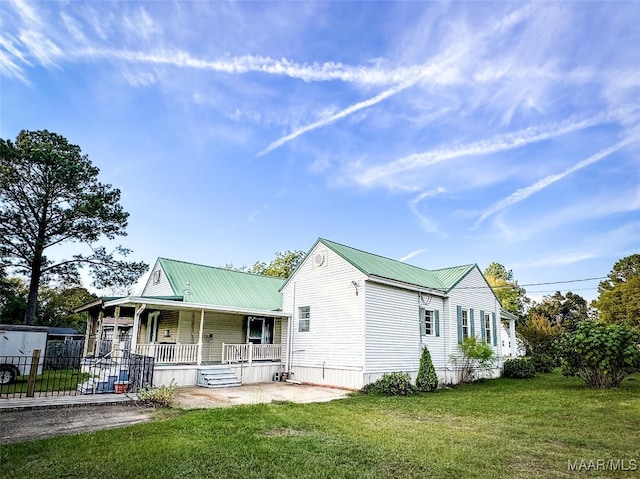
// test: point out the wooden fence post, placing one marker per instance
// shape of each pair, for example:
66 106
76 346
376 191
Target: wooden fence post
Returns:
33 373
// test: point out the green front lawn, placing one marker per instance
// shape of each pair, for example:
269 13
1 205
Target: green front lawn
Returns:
500 428
51 380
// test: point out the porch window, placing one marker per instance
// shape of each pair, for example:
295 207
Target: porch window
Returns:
304 319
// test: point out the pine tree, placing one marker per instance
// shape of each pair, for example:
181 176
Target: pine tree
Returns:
427 380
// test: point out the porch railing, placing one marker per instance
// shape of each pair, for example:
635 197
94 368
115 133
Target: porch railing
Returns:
169 353
239 353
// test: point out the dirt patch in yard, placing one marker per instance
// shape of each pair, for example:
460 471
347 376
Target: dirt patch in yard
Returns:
199 397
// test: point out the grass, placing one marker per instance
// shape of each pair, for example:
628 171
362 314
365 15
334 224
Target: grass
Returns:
51 380
496 429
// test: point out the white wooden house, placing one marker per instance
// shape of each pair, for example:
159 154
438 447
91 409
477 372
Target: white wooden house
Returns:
356 316
344 318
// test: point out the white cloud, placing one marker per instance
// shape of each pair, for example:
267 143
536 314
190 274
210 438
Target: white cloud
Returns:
565 258
413 254
524 193
427 224
495 144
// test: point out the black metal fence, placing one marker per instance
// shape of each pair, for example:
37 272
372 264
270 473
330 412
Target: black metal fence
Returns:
63 354
70 375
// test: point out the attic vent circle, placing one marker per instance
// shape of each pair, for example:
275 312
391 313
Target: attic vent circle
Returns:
318 259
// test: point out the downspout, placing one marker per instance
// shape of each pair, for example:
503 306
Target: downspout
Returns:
199 360
290 332
446 309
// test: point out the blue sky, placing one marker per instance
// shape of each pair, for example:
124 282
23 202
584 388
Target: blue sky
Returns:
438 133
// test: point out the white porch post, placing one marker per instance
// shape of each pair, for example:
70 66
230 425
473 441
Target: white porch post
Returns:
99 333
512 338
87 335
200 338
136 327
114 338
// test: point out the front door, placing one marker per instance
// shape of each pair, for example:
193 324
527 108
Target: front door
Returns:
260 330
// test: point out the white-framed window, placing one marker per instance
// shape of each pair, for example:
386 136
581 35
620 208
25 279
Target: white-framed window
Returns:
465 323
156 276
304 319
487 327
428 322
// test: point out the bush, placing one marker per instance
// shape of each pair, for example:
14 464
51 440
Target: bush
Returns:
543 363
427 379
391 384
601 354
473 356
518 368
161 396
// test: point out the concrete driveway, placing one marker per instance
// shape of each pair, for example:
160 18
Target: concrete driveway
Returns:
199 397
27 424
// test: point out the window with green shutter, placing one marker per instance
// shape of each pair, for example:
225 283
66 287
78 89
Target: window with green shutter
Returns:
426 322
495 329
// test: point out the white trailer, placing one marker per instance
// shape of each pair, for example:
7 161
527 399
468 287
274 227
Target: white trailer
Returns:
17 343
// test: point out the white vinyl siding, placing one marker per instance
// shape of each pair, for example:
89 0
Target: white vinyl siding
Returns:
392 328
336 334
161 288
472 293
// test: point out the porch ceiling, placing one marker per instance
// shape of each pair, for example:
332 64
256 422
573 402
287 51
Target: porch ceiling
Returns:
168 305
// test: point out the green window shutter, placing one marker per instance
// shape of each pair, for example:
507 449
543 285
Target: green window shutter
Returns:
483 331
472 321
495 330
459 324
437 320
423 326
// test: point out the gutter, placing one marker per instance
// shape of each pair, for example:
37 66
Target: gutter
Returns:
409 286
133 300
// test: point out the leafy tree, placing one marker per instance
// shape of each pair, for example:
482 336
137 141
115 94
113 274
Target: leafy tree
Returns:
539 337
473 356
427 379
282 266
564 311
512 296
13 300
49 195
56 305
619 299
600 353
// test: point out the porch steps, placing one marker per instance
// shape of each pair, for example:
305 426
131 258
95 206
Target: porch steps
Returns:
217 377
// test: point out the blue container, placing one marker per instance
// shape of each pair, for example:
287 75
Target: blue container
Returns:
124 375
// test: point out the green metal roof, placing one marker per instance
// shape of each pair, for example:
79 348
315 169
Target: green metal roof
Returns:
223 287
375 265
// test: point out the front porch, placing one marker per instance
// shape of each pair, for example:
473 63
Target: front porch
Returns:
230 353
183 339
